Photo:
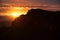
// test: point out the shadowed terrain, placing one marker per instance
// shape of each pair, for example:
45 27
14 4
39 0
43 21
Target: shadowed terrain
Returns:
37 24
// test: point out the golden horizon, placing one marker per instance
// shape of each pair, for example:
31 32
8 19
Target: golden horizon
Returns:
15 12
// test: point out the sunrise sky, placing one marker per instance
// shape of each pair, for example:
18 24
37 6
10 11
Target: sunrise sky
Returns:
14 7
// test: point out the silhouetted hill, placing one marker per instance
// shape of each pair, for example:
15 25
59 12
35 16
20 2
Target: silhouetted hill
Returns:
37 24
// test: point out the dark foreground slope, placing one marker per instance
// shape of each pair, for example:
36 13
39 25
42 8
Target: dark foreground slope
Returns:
36 25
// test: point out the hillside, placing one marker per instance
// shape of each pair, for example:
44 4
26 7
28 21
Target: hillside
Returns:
37 24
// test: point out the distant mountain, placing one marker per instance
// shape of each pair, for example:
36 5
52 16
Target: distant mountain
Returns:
5 21
5 18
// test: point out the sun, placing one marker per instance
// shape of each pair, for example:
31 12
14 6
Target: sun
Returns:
15 14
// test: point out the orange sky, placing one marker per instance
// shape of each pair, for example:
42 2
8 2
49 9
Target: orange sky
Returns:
14 12
10 6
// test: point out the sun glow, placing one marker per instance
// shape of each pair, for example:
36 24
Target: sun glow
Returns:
15 15
16 12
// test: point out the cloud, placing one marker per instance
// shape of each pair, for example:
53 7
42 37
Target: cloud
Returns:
31 2
4 5
44 4
3 9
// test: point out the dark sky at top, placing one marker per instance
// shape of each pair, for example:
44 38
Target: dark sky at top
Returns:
50 4
31 2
